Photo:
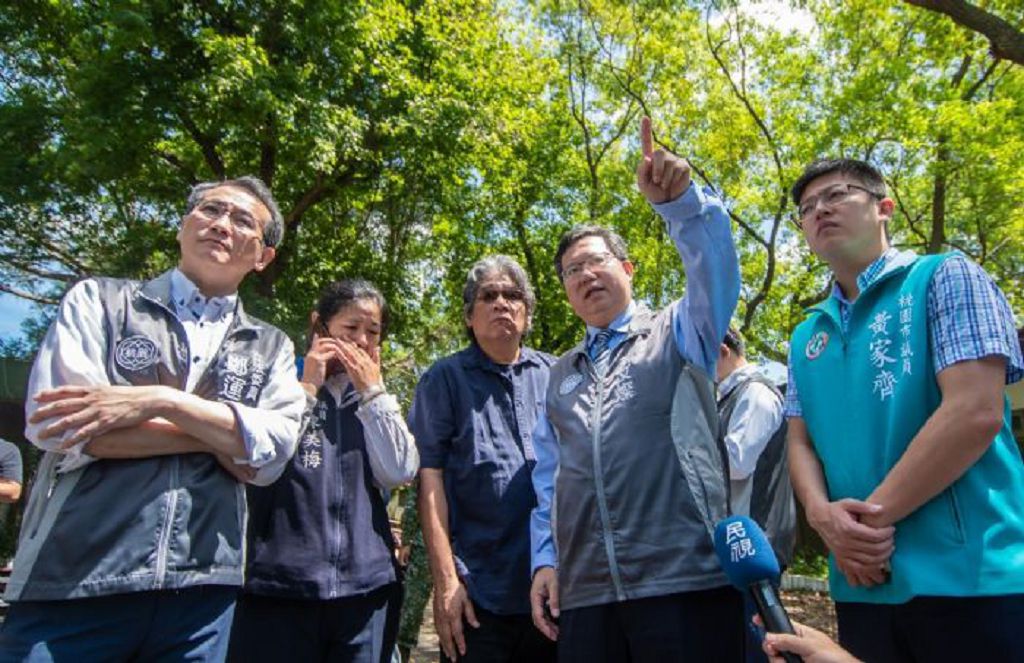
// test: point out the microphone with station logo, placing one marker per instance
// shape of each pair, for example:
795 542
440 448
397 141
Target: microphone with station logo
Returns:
750 564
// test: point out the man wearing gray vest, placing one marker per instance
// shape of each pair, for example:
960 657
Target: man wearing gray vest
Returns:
629 477
753 433
152 401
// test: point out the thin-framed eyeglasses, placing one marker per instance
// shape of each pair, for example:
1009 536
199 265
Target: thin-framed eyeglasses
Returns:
830 197
591 262
241 220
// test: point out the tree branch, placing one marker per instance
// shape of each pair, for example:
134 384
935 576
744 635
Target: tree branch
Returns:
37 271
38 299
1005 41
207 144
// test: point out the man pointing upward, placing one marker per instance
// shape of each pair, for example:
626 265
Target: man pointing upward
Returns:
629 477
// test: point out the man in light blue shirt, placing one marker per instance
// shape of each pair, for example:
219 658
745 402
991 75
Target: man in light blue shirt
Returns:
630 477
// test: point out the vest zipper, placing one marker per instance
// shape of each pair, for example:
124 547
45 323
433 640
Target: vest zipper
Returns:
335 544
163 542
52 481
602 503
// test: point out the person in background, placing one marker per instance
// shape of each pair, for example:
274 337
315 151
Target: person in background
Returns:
473 417
322 582
10 472
753 433
153 401
900 444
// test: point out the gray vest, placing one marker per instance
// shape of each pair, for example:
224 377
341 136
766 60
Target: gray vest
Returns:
771 494
641 479
166 522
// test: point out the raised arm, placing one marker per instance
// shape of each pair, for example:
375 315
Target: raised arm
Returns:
699 226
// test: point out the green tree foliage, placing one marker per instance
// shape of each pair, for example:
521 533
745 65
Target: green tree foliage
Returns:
406 139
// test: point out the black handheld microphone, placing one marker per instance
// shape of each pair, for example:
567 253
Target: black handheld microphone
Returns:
749 563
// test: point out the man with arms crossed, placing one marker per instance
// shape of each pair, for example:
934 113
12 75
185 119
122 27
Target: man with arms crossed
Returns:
629 478
152 400
899 434
473 418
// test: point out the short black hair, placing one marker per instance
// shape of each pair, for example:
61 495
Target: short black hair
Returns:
340 294
612 239
735 342
861 170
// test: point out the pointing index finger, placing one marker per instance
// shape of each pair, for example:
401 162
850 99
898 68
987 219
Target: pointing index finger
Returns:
646 141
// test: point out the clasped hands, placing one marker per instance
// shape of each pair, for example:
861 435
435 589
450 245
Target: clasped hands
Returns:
859 537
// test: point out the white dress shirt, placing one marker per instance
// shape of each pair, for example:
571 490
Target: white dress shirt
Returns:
755 418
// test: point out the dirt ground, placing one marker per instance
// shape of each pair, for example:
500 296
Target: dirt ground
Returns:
812 608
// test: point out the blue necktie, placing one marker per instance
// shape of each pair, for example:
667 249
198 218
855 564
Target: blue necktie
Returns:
599 350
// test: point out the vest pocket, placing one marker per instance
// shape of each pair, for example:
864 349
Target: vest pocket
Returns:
954 513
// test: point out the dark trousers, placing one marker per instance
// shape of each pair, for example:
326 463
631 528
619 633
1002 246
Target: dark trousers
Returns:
934 629
504 639
169 625
703 627
353 629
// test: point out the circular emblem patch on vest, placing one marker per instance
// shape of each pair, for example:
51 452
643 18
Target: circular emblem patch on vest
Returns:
816 345
569 383
135 353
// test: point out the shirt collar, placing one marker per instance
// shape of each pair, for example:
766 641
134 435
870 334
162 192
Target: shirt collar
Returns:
188 300
477 357
870 274
734 378
620 324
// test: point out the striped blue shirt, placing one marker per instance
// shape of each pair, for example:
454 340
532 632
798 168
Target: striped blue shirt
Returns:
968 318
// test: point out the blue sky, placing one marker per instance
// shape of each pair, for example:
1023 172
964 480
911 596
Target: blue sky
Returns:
12 311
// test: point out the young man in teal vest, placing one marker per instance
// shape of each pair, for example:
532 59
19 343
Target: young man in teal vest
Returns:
899 434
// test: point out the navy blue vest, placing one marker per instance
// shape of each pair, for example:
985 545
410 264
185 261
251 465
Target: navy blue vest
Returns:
321 531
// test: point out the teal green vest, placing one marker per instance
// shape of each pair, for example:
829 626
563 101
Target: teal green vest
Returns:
865 394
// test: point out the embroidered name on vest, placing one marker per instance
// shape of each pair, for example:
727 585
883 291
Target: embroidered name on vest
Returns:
310 446
135 353
243 377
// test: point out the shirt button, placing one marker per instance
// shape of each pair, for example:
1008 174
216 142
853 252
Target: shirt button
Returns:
195 360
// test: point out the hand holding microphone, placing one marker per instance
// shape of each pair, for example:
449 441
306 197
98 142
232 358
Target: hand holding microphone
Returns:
750 564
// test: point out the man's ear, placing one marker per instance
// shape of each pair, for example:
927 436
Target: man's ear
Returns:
627 266
886 207
267 257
